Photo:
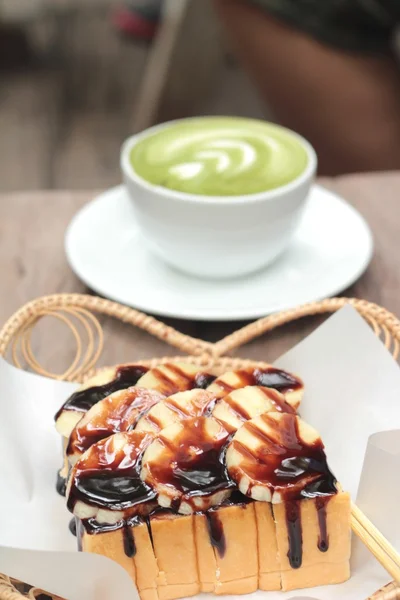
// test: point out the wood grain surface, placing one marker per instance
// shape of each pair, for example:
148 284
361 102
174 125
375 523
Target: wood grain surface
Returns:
32 263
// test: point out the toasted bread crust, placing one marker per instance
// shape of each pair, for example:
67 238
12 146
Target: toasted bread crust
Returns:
179 558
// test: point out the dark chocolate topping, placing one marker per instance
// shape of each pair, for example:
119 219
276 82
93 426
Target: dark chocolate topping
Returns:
72 526
216 532
240 411
236 499
295 535
198 405
286 463
61 484
277 379
278 400
82 400
178 380
269 377
323 538
203 380
236 407
111 479
129 541
92 527
118 415
294 528
193 464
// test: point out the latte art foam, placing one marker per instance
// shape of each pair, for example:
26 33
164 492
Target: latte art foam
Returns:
219 156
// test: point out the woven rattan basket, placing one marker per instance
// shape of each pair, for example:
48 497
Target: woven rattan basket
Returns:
77 312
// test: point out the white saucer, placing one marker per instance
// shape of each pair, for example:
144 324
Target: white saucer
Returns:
332 248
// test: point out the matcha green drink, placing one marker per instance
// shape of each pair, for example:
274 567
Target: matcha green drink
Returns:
219 156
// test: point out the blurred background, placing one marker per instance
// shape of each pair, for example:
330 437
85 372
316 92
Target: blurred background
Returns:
73 86
79 76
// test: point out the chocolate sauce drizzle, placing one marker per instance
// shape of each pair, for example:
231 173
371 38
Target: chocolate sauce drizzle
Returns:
61 484
83 400
199 407
203 380
216 531
181 380
322 490
275 398
129 541
237 499
111 490
295 535
110 479
92 527
214 524
323 538
199 473
120 416
277 379
269 377
72 526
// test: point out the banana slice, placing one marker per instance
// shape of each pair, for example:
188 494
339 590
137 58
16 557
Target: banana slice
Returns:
175 377
185 465
117 413
277 457
184 405
167 379
289 385
248 402
92 391
105 483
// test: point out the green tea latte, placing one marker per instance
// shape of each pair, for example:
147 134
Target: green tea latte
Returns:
219 156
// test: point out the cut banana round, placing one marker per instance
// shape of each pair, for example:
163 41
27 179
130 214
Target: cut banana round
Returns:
248 402
185 465
175 377
105 483
287 384
117 413
184 405
167 379
106 382
276 457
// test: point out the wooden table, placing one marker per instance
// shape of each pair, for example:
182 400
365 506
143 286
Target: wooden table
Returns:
32 263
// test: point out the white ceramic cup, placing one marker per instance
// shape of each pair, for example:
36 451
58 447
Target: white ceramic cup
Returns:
217 236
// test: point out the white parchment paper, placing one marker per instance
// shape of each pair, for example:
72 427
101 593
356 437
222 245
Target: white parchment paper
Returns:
352 393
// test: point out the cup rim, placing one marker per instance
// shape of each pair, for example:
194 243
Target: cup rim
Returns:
129 171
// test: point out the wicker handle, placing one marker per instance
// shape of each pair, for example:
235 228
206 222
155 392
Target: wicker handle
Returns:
391 591
76 311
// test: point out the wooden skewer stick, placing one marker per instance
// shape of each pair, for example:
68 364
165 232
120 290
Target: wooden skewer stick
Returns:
383 551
